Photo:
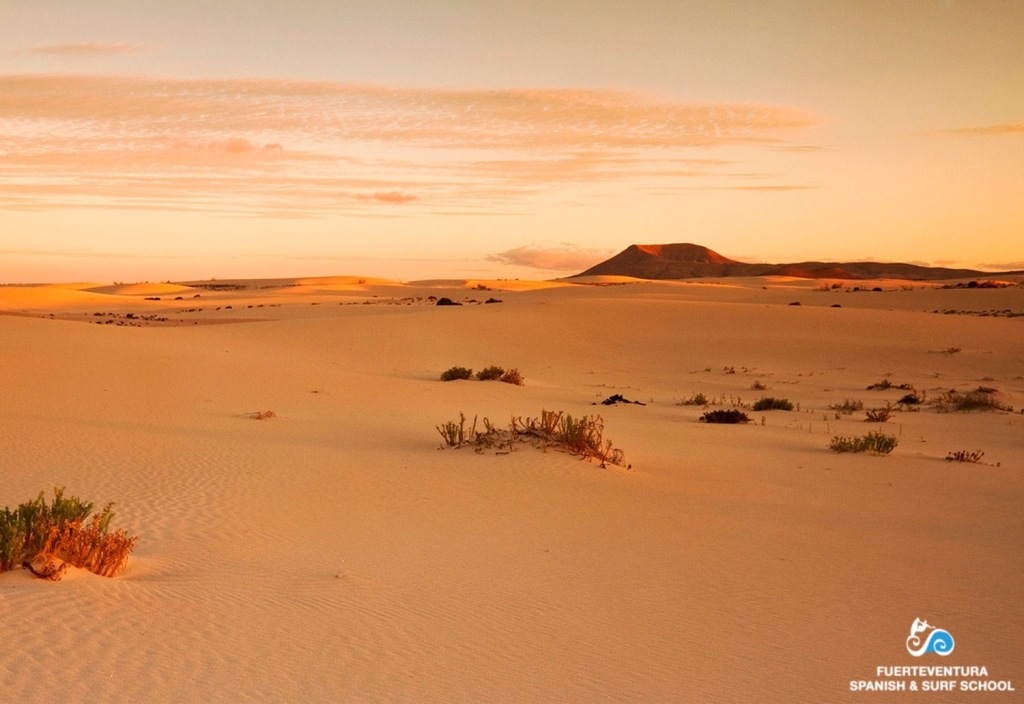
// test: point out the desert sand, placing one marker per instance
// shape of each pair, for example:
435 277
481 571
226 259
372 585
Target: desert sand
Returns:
335 553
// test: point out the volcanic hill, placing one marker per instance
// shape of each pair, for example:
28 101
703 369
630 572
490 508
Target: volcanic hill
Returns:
689 261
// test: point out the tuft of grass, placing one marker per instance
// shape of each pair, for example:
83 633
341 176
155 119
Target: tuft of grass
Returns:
879 415
512 376
885 384
456 373
848 407
490 373
758 386
772 404
55 535
874 442
695 400
911 399
965 456
981 399
729 417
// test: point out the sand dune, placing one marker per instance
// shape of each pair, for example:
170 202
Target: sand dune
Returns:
334 553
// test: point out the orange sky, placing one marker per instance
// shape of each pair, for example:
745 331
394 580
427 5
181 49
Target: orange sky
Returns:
424 139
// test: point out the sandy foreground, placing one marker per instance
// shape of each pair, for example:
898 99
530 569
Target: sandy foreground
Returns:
334 553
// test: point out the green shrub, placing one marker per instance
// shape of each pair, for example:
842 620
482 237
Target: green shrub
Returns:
773 404
981 399
878 415
695 400
456 373
56 533
874 442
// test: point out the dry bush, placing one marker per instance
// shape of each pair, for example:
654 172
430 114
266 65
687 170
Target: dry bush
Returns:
758 386
876 443
965 456
772 404
981 399
879 415
911 399
512 376
885 384
848 407
728 417
44 536
456 373
582 436
490 373
263 415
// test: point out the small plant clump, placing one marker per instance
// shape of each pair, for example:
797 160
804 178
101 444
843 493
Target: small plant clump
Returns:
772 404
848 407
582 436
885 384
456 373
875 442
911 399
512 376
695 400
729 417
490 374
879 415
965 456
263 415
981 399
46 538
758 386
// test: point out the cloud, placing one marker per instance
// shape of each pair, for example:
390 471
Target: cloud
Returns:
987 130
153 143
1004 266
86 49
563 257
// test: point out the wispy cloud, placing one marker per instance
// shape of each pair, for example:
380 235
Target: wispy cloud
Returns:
86 49
293 147
987 130
1004 266
562 257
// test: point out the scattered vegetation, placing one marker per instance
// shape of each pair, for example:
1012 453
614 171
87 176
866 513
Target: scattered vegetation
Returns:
879 415
848 407
46 538
876 442
758 386
772 404
911 399
263 415
445 301
885 384
619 398
456 373
965 456
492 373
729 417
981 399
582 436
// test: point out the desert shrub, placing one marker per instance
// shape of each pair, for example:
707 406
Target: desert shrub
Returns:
490 373
848 406
456 373
758 386
731 416
965 456
772 404
876 443
695 400
885 384
263 415
512 376
582 435
911 399
51 535
879 415
977 400
445 301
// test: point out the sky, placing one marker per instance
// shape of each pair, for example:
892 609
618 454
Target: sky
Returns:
149 140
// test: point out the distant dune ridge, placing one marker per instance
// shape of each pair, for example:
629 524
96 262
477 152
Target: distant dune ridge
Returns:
688 261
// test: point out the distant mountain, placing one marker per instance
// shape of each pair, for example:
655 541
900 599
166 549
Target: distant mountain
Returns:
690 261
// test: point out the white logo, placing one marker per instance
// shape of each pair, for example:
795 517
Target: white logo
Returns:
938 641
